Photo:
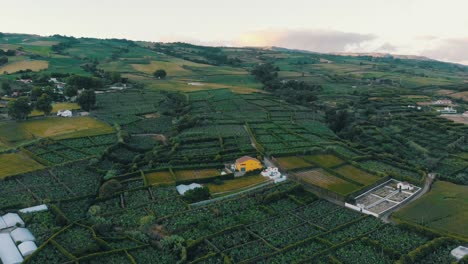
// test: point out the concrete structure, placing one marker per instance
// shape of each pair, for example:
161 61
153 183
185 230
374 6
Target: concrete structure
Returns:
405 186
247 163
37 208
182 188
13 220
21 235
447 110
65 113
27 248
9 253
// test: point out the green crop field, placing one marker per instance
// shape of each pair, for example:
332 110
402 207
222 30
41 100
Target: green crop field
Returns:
335 125
356 174
445 208
326 161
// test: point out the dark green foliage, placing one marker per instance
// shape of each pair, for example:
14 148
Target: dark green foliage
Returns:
197 194
87 99
44 104
160 74
19 109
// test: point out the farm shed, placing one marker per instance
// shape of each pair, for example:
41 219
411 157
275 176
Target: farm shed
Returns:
247 163
9 254
459 252
12 219
404 186
27 248
21 235
182 188
65 113
34 209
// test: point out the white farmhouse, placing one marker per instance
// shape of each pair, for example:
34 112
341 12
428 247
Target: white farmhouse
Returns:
9 253
27 248
64 113
13 220
405 186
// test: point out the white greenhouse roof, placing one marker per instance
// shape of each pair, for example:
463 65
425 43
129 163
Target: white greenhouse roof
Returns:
2 224
9 254
22 234
182 188
37 208
27 248
11 219
459 252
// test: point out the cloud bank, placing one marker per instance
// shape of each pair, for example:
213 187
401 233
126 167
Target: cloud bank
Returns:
318 40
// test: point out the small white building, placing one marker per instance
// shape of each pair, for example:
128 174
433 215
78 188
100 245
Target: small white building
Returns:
13 220
64 113
27 248
21 235
182 188
405 186
447 110
459 252
9 253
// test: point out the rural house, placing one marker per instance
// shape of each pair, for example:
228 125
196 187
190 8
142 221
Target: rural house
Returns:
404 186
247 163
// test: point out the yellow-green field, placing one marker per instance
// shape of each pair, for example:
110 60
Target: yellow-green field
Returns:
325 160
159 177
16 132
236 184
325 180
56 107
34 65
444 208
171 68
16 163
357 175
182 175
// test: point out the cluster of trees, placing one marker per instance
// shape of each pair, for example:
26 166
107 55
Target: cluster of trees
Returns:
3 60
85 82
7 52
293 91
160 74
60 47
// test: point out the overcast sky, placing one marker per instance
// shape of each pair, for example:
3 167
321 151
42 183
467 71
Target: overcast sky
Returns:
433 28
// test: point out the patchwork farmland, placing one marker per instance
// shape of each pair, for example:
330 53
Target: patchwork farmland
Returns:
338 128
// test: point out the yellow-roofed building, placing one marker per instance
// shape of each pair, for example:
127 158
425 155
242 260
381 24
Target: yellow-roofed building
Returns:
247 163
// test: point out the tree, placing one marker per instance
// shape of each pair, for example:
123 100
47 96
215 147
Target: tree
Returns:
44 104
160 74
87 99
70 91
265 73
36 92
3 60
20 108
6 87
197 194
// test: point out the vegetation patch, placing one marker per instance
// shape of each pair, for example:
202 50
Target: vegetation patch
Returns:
444 208
324 160
357 175
292 163
236 184
17 163
33 65
159 177
323 179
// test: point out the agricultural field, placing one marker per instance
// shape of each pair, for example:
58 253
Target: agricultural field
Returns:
56 107
159 177
184 175
34 65
236 184
335 124
444 209
356 174
17 163
325 180
16 132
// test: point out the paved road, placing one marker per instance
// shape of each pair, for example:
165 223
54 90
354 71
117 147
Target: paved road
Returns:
427 187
